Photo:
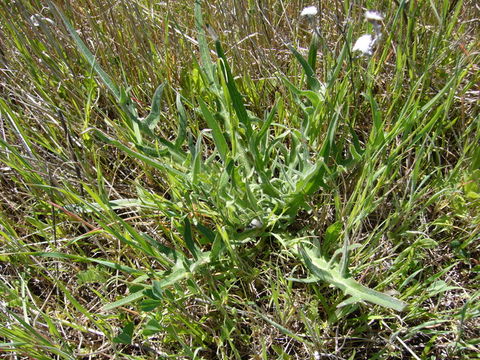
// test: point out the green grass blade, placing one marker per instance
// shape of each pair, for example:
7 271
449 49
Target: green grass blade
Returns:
109 264
88 54
147 159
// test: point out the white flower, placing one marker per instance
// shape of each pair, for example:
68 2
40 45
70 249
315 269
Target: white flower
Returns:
372 15
255 224
37 18
375 18
309 11
364 44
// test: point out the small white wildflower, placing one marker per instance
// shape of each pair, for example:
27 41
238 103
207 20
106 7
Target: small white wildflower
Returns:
255 224
37 18
316 355
34 20
375 18
364 44
372 15
309 11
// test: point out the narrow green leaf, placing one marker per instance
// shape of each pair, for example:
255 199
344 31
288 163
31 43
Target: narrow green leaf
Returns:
312 81
182 123
331 274
345 255
312 52
218 137
310 182
187 234
153 117
208 234
206 60
350 301
124 301
217 247
332 76
329 141
157 290
237 100
260 136
197 160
